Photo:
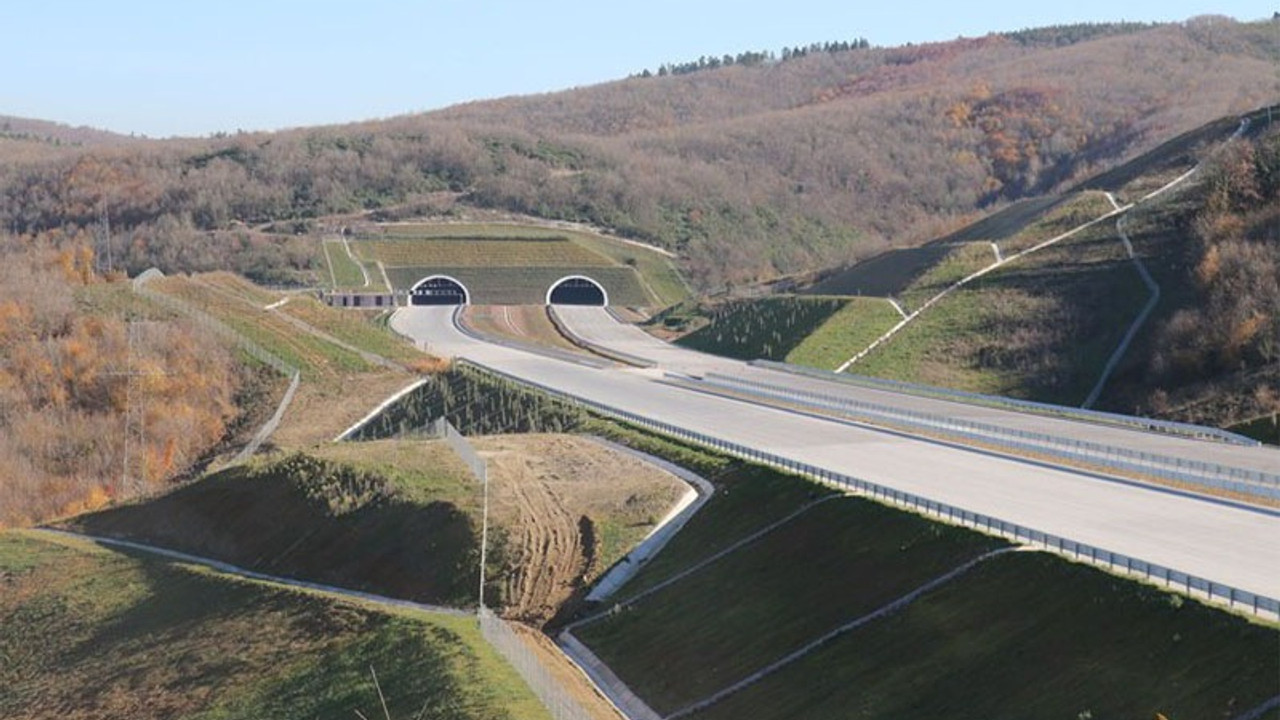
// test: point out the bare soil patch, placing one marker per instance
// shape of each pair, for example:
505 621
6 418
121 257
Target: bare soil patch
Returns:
521 322
568 508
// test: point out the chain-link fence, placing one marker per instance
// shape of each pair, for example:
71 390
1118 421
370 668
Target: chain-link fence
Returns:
256 351
504 638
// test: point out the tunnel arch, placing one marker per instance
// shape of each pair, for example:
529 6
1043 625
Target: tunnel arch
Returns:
439 290
577 290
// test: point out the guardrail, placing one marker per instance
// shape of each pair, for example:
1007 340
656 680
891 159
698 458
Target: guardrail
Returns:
1073 413
1257 604
1209 475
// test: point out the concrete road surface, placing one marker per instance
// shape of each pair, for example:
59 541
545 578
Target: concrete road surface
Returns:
596 325
1225 543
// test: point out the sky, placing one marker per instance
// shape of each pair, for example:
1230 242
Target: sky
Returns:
193 67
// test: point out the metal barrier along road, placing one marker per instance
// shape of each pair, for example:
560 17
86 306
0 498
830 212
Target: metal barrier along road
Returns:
1096 416
1260 605
1194 472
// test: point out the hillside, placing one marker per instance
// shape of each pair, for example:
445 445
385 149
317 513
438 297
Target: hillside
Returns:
1044 325
746 171
94 634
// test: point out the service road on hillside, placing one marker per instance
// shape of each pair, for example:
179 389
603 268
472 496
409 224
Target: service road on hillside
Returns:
1222 542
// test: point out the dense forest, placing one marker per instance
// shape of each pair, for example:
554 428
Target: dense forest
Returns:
748 171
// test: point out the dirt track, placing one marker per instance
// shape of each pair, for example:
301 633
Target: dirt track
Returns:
568 508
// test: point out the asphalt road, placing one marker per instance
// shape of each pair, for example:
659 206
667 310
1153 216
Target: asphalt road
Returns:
1221 542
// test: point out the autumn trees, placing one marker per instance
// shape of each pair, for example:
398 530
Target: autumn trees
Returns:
93 405
749 170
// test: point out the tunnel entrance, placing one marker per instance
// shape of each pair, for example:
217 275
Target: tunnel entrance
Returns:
439 290
577 290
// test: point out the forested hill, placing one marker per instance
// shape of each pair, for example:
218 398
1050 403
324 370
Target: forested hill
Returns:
748 169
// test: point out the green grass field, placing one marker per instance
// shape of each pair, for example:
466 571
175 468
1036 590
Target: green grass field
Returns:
453 245
1030 636
960 262
353 327
1074 211
768 328
493 251
838 561
316 358
96 634
345 273
849 331
1040 327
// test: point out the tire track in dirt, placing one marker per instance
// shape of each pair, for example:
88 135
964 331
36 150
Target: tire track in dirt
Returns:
547 550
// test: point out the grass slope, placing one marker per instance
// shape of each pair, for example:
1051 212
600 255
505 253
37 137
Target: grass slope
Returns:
314 356
1041 326
850 330
89 633
409 535
346 273
1029 636
767 328
836 562
489 245
353 327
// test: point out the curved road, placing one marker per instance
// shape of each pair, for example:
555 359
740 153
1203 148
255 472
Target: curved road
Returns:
1224 543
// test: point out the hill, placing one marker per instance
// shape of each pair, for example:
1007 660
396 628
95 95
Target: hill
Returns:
1045 325
746 171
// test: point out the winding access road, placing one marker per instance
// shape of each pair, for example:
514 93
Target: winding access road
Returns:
1231 544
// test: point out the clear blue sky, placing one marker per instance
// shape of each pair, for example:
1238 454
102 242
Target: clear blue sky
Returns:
192 67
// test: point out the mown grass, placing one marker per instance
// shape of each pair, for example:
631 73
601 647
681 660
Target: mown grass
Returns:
836 562
657 272
1030 635
91 633
846 333
1041 327
345 273
484 251
239 286
768 328
1072 213
353 327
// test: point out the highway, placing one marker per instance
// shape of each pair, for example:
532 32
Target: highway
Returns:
596 326
1222 542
